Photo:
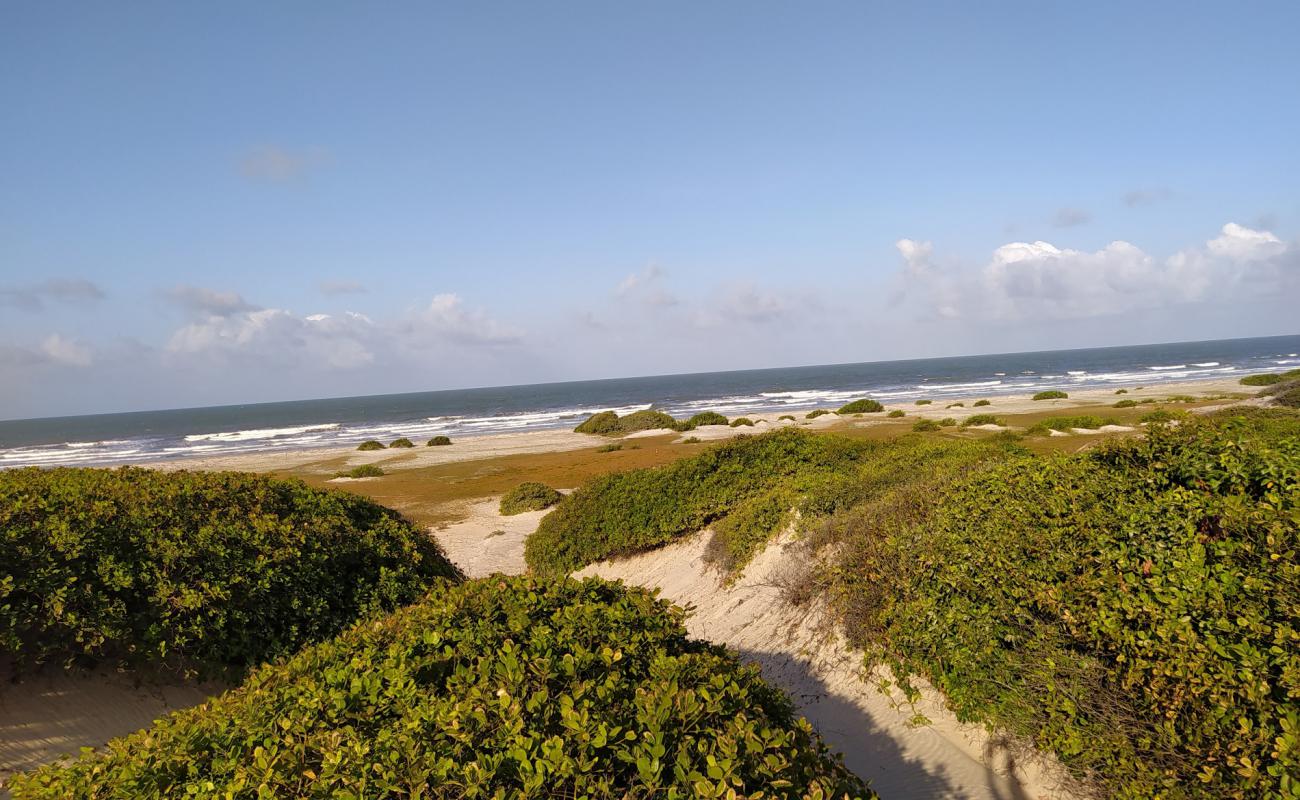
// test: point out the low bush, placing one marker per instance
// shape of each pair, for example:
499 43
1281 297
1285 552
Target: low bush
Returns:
955 405
612 447
786 416
1051 394
924 402
1270 378
1045 427
1163 415
745 421
863 406
948 422
705 418
816 412
402 442
529 496
1124 404
363 471
1132 609
981 403
924 425
608 423
896 413
501 687
1288 399
691 440
1121 391
193 570
438 441
981 419
371 444
602 423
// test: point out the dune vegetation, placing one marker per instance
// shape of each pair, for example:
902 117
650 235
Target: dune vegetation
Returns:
705 418
896 413
370 444
816 412
1124 404
1270 378
863 406
982 419
1046 426
438 441
362 471
501 687
528 496
1051 394
924 402
925 425
401 443
745 422
982 403
193 571
609 423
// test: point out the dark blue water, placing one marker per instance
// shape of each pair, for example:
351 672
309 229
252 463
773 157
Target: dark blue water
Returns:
151 435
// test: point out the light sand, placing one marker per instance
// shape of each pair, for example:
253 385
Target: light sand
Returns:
800 652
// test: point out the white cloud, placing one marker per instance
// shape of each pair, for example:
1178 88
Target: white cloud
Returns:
65 290
447 320
208 301
1038 280
64 351
646 287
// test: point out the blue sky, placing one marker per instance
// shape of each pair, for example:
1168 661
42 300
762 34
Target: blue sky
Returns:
215 203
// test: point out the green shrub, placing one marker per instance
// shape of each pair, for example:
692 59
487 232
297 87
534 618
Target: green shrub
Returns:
1121 391
981 419
438 441
402 442
603 423
529 496
1065 424
691 440
981 403
923 425
612 447
1270 378
896 413
863 406
948 422
371 444
955 405
608 423
363 471
1162 415
1124 404
924 402
786 416
202 570
816 412
502 687
1132 609
1289 398
1051 394
705 418
745 421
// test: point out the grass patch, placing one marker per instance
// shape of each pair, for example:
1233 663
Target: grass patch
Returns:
925 425
1051 394
1124 404
982 419
948 422
1046 426
742 421
363 471
896 413
863 406
786 416
924 402
529 496
612 447
816 412
1163 415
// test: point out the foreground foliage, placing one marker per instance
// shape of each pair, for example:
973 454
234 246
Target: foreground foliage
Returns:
1133 609
193 569
503 687
529 496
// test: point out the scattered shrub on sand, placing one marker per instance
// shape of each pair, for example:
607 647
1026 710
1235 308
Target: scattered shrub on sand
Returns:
863 406
742 421
955 405
371 444
747 489
816 412
1270 378
896 413
924 402
500 687
608 423
402 442
1163 415
1051 394
948 422
612 447
1121 391
1124 404
529 496
1182 398
981 419
704 418
201 570
1045 427
981 403
786 416
923 425
1148 637
439 441
363 471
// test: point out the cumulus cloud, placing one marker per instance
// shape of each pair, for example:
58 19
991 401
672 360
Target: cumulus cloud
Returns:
1038 280
200 300
54 349
447 319
281 165
32 297
341 287
1070 217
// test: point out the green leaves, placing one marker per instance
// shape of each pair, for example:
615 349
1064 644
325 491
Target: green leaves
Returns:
503 687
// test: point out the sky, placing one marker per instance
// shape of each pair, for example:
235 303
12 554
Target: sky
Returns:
217 203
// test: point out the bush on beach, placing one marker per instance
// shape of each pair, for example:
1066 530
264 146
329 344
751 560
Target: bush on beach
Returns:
896 413
816 412
529 496
863 406
370 444
981 419
1051 394
438 441
980 403
363 471
402 443
742 421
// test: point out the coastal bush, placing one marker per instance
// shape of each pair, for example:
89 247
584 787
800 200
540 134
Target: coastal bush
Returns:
602 423
1270 378
363 471
705 418
747 489
948 422
924 402
1124 404
201 570
745 421
371 444
923 425
979 403
1163 415
955 405
1132 609
529 496
612 447
438 441
1121 391
816 412
863 406
1045 427
402 443
896 413
786 416
608 423
501 687
1289 398
981 419
1051 394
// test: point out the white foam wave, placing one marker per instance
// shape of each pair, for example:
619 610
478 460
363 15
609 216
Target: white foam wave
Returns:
258 433
1175 366
1205 363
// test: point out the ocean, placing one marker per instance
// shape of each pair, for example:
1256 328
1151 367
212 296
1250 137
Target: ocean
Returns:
107 439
